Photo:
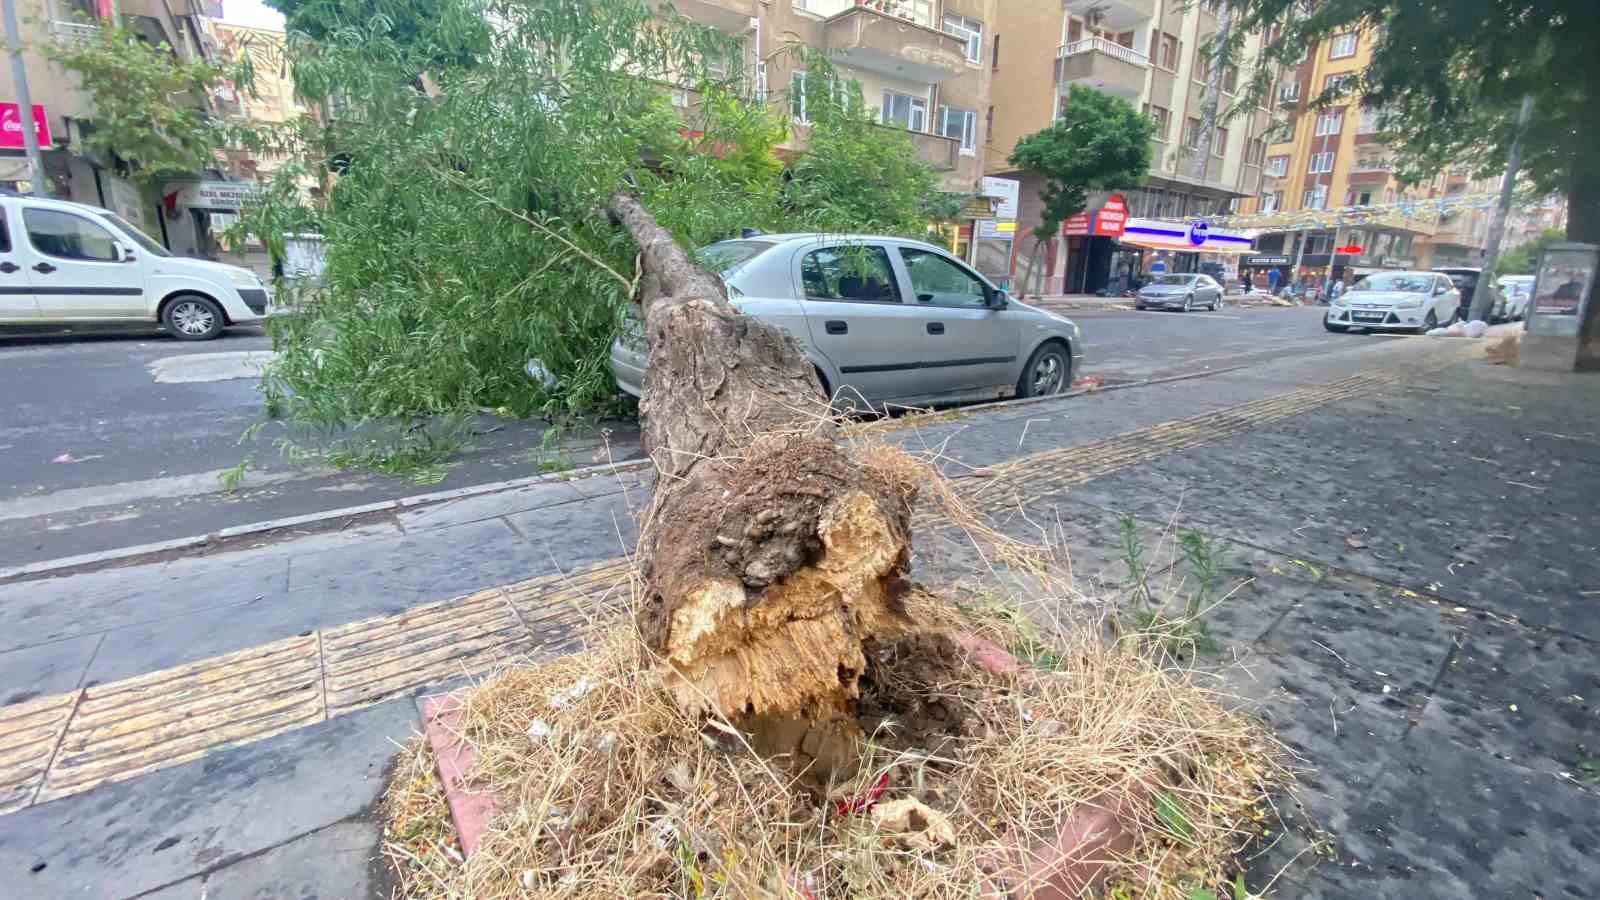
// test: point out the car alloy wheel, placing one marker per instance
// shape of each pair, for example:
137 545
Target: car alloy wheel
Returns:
193 318
1188 303
1046 373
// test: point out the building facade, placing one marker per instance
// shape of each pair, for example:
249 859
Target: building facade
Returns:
1150 53
922 65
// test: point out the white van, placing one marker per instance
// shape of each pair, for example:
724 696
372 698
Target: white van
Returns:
71 263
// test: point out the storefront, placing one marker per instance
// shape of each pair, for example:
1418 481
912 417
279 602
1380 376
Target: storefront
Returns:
1194 247
195 216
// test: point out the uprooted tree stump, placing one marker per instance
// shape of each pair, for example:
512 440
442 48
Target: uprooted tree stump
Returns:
769 553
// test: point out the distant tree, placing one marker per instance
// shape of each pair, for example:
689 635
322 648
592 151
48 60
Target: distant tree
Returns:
1100 142
408 23
1523 259
1449 76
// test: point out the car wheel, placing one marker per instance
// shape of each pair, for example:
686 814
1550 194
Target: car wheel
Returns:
1188 303
1140 306
193 318
1337 329
1429 323
1048 372
1216 302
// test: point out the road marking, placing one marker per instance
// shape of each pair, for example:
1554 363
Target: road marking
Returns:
193 368
126 728
127 493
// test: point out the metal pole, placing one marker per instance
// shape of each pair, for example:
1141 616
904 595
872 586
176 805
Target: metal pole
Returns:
1483 294
1333 255
1299 257
1208 106
19 74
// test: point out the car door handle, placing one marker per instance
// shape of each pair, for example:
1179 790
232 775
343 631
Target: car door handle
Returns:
836 327
44 268
936 328
8 267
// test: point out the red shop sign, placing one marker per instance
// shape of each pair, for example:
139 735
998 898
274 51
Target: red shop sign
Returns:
1113 215
1077 224
11 126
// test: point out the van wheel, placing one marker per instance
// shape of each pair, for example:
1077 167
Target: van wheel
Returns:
192 318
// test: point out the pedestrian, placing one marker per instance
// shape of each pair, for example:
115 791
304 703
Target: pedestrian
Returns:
1272 281
1244 279
1338 289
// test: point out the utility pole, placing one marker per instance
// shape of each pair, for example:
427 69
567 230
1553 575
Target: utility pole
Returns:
1208 106
1300 255
1483 295
19 74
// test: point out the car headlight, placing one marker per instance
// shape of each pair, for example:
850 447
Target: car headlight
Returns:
242 278
1409 303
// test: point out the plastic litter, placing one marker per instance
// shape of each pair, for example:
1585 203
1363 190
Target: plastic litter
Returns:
1476 328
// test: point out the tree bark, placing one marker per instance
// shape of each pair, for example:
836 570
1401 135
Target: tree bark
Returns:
769 553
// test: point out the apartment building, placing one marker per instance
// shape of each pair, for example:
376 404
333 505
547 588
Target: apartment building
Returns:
1330 199
1148 52
922 65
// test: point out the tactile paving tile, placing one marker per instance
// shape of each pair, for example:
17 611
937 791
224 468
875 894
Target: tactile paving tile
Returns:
29 734
164 718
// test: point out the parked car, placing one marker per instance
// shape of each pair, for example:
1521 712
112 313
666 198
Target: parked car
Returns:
1183 292
1465 279
70 263
1395 301
885 321
1518 291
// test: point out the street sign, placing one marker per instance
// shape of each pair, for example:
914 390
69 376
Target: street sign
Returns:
1077 225
11 126
1198 231
1112 217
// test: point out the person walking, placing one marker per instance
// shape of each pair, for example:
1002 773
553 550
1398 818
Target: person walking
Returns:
1337 290
1244 280
1272 281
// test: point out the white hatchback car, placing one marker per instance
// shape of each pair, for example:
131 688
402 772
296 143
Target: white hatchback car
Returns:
1395 301
70 263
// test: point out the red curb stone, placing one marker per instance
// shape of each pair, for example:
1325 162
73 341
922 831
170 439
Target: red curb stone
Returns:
988 654
441 715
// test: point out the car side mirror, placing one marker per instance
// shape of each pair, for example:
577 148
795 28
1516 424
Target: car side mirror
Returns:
125 253
1438 289
997 298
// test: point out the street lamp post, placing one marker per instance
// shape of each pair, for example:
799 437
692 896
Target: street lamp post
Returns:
19 74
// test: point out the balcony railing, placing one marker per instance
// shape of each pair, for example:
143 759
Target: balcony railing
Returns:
1371 166
1110 48
73 32
920 13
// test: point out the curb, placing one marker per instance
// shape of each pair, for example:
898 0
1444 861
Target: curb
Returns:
108 558
105 558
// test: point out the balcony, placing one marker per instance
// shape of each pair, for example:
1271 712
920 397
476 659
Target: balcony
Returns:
1114 15
1103 65
731 16
935 150
73 32
886 43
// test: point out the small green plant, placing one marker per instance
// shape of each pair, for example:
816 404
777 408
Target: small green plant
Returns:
1133 558
1032 645
1171 814
550 456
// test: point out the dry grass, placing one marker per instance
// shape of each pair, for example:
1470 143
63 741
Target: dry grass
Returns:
623 798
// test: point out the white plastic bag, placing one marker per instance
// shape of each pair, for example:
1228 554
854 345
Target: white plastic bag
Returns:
1456 329
1476 328
1438 332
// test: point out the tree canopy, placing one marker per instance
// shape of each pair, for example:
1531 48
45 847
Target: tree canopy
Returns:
1523 259
1100 142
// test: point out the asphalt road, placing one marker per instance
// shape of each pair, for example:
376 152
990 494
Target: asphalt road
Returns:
108 441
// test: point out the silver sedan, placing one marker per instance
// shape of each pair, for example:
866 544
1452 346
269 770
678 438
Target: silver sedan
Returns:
1183 292
886 321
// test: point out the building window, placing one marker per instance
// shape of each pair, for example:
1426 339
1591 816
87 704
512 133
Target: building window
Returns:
969 30
988 126
1168 51
1337 83
1230 79
1255 151
1219 142
1289 93
1330 122
1191 133
1343 45
1161 118
994 54
1315 197
960 124
1278 166
797 96
1320 163
1364 198
1271 202
1369 121
910 113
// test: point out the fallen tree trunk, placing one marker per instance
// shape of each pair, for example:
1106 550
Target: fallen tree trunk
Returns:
769 554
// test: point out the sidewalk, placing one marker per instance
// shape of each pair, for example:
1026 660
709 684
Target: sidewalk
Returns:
133 759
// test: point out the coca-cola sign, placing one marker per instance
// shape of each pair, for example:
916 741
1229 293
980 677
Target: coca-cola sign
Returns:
11 126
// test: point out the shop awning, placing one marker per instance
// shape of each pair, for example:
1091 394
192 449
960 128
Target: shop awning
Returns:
1160 245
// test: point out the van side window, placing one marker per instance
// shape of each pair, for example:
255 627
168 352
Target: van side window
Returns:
66 236
5 233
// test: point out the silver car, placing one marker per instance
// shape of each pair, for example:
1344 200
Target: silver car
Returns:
886 321
1183 292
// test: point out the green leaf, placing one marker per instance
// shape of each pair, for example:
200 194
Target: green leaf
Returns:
1172 816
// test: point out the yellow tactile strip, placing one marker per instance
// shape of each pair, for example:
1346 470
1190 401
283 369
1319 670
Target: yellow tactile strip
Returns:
29 735
67 743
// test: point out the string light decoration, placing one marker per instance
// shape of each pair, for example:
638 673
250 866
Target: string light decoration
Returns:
1401 214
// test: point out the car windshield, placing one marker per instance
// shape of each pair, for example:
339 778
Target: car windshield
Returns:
1174 279
1408 282
725 256
143 240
